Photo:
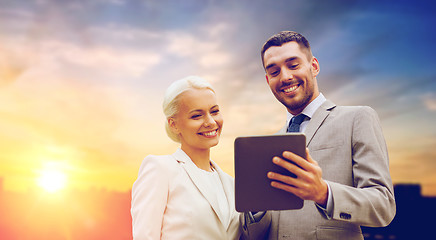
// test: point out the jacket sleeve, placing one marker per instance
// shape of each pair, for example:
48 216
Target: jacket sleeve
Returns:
370 201
149 198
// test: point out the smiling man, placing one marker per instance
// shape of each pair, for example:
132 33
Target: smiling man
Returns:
291 74
345 180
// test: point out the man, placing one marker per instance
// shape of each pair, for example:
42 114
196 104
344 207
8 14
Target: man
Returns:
345 180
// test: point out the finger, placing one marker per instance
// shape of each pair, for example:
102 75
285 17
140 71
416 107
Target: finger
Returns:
306 170
282 178
299 161
309 158
287 188
290 166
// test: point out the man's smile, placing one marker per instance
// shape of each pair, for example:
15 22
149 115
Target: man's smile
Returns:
290 88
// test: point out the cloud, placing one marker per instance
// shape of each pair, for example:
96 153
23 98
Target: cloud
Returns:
412 159
127 62
10 69
90 75
206 52
429 101
84 96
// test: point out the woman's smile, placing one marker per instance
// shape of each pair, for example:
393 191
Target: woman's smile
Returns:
210 134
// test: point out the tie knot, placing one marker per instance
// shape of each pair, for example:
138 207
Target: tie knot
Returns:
298 119
294 125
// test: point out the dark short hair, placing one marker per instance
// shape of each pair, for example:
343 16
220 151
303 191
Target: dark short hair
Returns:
284 37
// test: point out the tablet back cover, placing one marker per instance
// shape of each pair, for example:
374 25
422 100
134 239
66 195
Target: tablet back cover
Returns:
253 160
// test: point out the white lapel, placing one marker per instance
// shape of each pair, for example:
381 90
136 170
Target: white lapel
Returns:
228 190
193 173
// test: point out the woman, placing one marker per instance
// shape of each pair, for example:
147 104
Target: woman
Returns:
186 195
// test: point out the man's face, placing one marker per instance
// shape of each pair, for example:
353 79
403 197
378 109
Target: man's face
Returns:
291 75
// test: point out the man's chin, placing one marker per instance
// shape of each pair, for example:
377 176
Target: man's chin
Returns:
294 105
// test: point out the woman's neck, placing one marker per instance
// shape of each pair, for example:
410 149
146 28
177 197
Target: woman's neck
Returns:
200 157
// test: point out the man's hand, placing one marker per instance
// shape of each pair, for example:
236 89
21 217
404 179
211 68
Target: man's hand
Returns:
308 184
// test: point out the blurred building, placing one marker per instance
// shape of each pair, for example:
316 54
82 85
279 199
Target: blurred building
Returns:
414 218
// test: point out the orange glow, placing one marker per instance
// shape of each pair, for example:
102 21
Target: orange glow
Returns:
52 180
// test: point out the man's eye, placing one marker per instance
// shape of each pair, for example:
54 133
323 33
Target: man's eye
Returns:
274 73
293 66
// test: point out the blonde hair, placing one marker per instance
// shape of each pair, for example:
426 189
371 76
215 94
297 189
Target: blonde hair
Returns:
170 103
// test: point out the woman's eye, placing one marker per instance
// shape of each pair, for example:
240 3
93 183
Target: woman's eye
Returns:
195 116
215 112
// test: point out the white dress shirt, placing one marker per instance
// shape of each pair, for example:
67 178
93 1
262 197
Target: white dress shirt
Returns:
309 111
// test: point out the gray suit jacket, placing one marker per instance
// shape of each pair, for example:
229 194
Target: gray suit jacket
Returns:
348 144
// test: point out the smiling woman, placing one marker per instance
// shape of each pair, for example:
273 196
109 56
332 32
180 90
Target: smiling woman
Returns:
52 180
186 195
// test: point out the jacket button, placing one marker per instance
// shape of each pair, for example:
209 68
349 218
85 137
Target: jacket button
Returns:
345 216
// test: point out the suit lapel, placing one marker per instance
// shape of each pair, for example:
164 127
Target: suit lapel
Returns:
317 119
315 122
193 173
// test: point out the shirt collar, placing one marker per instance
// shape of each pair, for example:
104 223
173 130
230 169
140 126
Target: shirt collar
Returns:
310 109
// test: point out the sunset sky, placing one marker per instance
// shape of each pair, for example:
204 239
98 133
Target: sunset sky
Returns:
82 82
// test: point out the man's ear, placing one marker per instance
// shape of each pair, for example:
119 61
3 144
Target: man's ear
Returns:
315 66
267 79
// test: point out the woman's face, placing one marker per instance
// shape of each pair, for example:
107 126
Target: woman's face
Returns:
198 121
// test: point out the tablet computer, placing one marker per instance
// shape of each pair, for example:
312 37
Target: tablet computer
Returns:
253 160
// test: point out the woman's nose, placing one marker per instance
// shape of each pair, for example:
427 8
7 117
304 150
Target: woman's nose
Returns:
209 121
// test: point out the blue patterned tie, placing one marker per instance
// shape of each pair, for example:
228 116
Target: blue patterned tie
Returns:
294 124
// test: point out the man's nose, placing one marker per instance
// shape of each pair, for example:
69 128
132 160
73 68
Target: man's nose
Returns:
287 75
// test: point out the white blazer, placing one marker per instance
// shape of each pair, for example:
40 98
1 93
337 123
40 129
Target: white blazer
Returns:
169 201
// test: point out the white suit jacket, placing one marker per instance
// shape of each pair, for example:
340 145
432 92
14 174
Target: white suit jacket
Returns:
169 201
348 144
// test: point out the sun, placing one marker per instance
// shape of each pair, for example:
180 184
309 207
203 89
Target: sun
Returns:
52 180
